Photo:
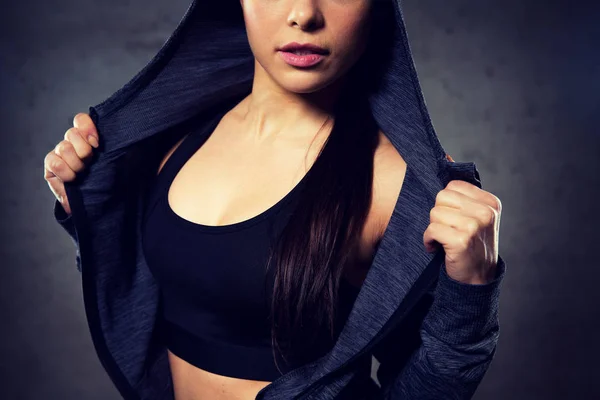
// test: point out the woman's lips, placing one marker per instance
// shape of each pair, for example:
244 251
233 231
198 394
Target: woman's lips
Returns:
302 59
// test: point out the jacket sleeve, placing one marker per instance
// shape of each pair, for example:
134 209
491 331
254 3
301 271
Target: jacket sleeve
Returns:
66 221
458 338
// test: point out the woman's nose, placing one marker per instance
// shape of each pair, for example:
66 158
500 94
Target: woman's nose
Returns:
305 14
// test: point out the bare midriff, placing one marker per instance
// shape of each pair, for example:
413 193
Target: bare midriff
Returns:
193 383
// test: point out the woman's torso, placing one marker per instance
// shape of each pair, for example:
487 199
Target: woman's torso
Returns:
218 184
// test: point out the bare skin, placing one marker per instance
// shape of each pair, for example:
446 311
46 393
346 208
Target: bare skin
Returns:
237 184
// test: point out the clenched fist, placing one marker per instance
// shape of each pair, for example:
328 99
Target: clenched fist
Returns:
70 156
465 221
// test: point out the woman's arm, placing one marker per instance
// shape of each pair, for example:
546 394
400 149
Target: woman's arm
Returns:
458 342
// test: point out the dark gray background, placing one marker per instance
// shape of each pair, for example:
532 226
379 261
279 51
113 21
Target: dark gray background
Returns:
511 85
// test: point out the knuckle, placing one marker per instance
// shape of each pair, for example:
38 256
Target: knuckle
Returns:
488 215
70 133
472 226
497 204
79 147
80 118
62 147
48 157
56 164
452 184
439 196
433 213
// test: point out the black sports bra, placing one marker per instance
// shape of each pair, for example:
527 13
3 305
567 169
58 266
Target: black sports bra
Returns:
215 292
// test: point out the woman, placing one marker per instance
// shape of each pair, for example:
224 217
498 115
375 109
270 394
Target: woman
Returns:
332 191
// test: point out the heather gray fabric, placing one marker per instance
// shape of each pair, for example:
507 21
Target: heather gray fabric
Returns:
435 337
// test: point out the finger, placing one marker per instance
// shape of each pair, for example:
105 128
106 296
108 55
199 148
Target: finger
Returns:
438 235
474 192
65 150
82 148
58 189
55 166
456 219
55 184
449 197
84 123
468 207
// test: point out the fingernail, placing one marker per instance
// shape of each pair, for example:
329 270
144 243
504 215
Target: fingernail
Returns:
93 141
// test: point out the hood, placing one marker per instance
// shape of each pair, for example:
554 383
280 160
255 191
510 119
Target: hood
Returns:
207 62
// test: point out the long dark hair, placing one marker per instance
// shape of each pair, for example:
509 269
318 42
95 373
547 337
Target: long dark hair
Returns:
323 233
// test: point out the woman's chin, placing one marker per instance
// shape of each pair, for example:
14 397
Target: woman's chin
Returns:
304 86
